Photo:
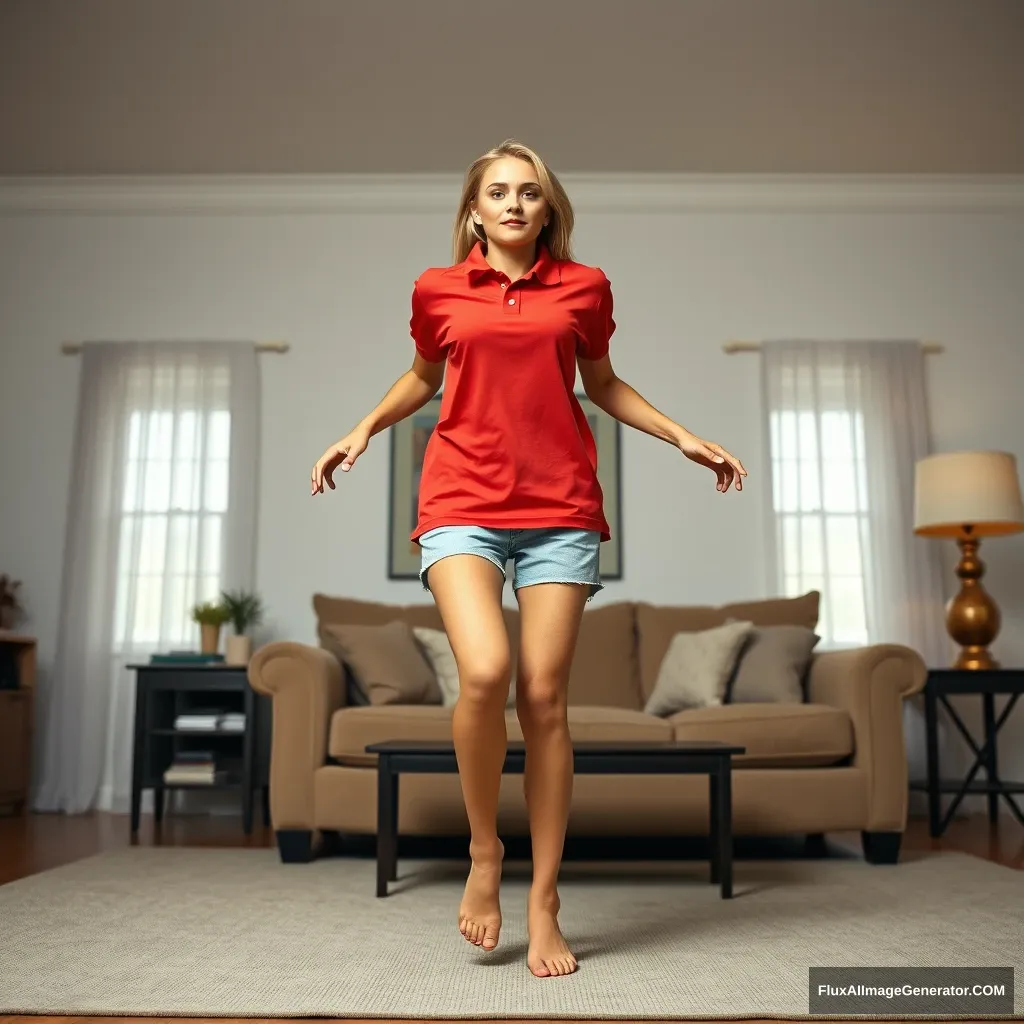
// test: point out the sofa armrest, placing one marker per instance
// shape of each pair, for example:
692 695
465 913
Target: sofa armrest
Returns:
870 684
305 683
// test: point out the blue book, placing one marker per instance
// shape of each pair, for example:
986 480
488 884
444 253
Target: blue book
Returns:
186 658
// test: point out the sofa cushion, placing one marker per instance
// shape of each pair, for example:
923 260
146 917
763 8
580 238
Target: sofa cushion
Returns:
772 665
438 651
604 671
351 610
696 668
373 613
386 663
775 735
353 728
657 624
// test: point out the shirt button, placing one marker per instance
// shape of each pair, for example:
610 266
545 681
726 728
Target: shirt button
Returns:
502 284
511 302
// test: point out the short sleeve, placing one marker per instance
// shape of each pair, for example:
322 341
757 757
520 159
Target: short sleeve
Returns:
423 325
598 323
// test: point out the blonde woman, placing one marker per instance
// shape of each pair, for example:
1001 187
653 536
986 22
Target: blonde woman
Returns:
509 474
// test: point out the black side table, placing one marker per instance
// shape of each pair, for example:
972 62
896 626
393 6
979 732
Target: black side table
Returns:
941 684
164 691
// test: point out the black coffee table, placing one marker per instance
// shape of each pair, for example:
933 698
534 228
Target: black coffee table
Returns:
657 758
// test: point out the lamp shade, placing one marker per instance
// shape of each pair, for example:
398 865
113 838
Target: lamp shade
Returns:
953 490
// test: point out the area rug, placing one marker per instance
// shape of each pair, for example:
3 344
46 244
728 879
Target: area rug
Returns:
181 932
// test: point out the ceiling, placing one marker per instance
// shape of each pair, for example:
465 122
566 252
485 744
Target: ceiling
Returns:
399 86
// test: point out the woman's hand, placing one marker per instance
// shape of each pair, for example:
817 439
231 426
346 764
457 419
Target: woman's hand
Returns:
343 452
728 468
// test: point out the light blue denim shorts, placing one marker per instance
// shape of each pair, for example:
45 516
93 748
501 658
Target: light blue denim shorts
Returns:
547 555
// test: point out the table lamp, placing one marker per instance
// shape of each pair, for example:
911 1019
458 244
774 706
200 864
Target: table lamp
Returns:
969 495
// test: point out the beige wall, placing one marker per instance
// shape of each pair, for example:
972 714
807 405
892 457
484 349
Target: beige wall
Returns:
286 86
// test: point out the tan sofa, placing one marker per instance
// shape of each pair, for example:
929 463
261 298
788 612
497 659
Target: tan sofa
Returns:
834 762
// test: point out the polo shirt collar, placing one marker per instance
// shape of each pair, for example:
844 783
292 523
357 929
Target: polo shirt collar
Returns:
545 267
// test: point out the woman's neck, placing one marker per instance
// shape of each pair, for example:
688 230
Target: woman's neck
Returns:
513 262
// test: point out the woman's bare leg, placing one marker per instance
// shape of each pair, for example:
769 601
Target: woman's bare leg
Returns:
550 616
467 591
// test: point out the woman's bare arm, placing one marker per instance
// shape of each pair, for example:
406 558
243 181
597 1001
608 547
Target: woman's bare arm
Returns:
410 392
612 394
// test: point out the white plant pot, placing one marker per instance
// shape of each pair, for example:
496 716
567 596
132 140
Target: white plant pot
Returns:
237 649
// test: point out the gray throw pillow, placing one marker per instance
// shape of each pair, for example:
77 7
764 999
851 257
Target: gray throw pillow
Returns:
438 650
696 668
772 666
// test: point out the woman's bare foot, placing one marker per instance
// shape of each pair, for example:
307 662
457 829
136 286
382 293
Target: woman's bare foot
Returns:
480 911
549 955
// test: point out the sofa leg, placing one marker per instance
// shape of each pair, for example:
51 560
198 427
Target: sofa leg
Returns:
295 845
815 845
881 847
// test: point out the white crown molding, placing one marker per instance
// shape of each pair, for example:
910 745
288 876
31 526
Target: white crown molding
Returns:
438 193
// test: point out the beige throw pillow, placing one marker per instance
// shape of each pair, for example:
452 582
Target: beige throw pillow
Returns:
772 666
386 663
438 650
696 668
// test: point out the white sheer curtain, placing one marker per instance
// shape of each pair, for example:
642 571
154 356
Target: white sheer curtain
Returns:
161 515
845 424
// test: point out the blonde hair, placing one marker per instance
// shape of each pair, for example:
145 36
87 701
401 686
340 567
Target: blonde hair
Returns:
556 235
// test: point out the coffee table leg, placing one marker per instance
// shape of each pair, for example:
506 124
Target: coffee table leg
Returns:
713 824
387 824
724 776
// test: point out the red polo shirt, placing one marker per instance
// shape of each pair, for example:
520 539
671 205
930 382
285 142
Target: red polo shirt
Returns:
512 448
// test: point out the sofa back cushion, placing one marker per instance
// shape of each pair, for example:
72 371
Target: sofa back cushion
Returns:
350 610
657 624
604 672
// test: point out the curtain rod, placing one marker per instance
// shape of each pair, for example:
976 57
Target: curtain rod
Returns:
731 347
72 348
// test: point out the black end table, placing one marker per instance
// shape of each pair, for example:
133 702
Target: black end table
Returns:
658 758
986 683
165 690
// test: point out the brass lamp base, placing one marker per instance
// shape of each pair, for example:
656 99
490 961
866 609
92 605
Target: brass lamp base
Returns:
972 617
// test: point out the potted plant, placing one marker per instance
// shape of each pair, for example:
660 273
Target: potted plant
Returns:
10 607
244 610
210 615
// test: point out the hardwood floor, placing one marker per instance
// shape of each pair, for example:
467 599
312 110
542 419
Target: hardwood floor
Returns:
39 842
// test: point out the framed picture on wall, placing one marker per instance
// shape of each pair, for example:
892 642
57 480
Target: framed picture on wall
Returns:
408 443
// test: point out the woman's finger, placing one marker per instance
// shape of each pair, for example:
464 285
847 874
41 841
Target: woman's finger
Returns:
737 465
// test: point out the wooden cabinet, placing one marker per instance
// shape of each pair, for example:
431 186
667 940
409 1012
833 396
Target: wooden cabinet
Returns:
18 653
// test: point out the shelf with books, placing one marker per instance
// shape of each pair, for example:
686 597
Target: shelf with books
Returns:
171 731
189 720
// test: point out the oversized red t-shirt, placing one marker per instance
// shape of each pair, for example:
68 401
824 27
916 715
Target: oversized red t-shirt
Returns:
512 448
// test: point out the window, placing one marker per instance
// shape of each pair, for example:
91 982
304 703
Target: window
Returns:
174 504
822 514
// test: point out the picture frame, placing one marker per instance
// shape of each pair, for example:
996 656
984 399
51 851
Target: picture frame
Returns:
408 443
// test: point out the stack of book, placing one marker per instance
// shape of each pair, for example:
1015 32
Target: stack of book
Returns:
198 719
194 767
233 721
212 719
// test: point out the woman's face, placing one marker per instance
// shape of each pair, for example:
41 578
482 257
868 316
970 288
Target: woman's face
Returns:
509 206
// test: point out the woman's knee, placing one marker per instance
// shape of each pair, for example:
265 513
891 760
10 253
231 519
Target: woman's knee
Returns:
485 680
540 701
